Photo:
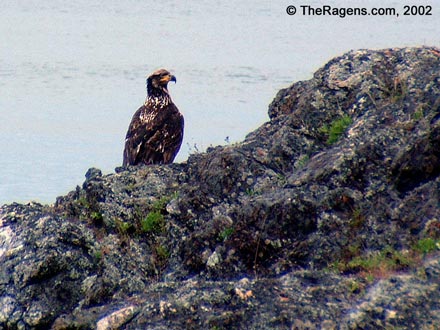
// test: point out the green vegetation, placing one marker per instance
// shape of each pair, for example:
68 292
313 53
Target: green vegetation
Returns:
336 129
357 220
154 222
394 88
122 226
427 245
160 259
162 202
423 110
83 201
226 233
383 263
417 115
387 259
97 217
162 252
87 209
377 264
399 90
98 256
355 287
281 179
251 192
302 161
154 225
83 209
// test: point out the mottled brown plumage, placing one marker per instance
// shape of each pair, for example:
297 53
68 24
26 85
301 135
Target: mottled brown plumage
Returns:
156 129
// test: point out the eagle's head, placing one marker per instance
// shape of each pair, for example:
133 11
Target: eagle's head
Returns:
158 81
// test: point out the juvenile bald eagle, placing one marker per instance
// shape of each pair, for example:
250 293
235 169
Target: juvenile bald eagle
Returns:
156 129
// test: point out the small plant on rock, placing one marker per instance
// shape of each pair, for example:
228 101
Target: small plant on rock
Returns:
251 192
97 217
358 219
154 222
336 129
98 256
122 226
162 252
399 90
225 234
378 264
160 258
427 245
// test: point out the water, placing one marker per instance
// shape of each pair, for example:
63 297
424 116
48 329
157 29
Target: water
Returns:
73 73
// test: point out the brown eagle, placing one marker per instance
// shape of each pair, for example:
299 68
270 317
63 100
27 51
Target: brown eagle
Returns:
156 129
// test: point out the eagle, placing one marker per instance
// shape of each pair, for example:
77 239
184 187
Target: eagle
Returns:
155 132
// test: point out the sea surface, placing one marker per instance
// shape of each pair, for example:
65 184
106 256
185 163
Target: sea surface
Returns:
72 73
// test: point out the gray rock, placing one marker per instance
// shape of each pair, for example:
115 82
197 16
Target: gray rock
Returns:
312 222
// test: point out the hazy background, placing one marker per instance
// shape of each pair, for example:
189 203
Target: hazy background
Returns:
73 73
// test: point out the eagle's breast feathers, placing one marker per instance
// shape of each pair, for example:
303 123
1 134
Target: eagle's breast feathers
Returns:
156 129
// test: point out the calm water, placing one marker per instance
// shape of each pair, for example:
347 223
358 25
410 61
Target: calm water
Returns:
73 73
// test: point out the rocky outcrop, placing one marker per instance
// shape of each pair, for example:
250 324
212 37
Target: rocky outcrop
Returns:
326 217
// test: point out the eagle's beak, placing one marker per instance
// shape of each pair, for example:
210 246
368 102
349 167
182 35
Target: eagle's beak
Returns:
166 79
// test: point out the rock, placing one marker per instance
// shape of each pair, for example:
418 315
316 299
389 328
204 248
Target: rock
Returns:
380 308
286 229
116 319
93 173
213 260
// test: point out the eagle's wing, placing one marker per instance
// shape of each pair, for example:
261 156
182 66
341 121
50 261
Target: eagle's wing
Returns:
140 130
153 137
173 136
